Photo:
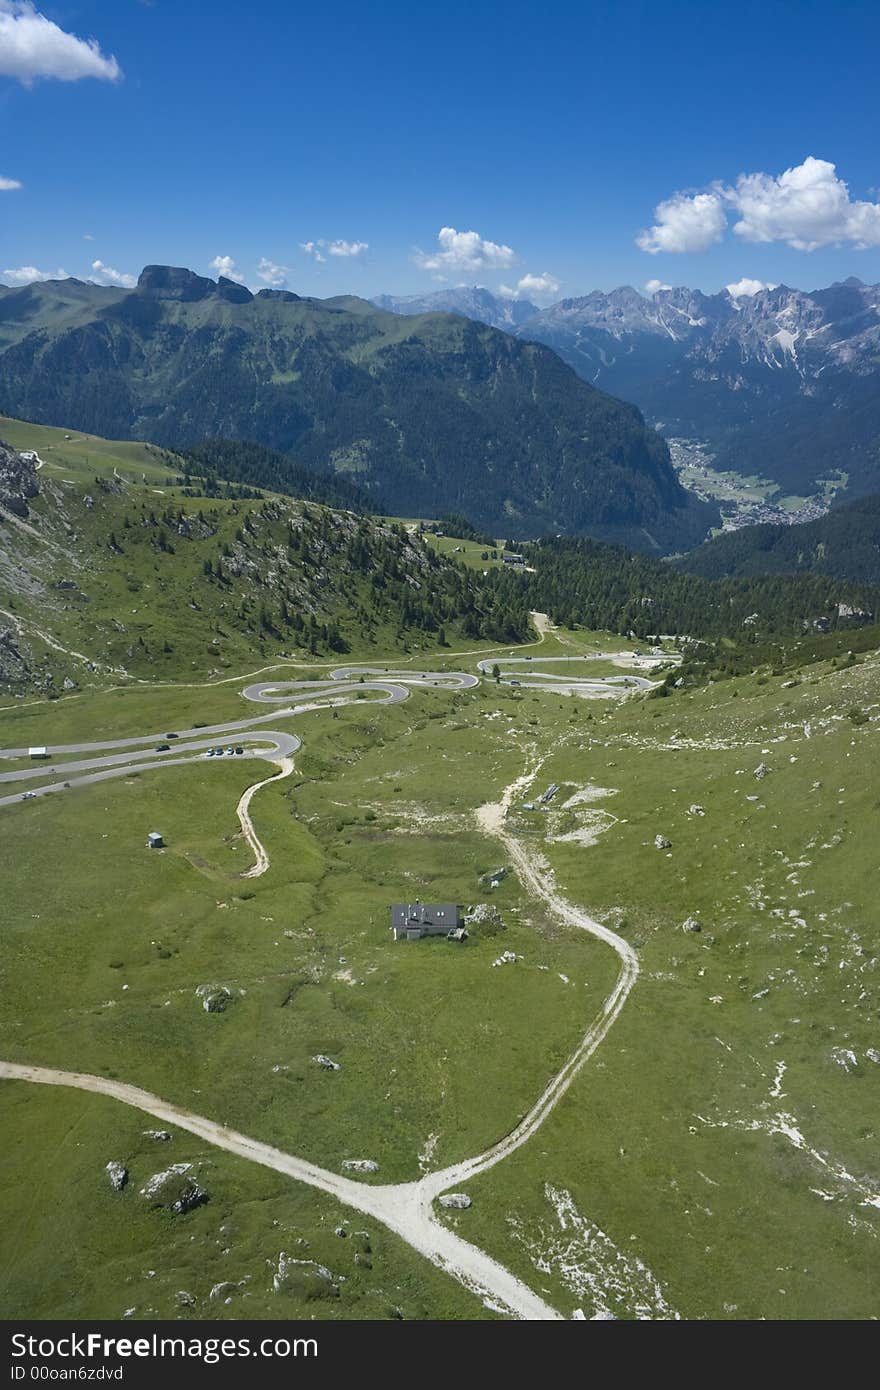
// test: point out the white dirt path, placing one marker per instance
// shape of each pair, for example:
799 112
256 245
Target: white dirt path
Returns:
261 857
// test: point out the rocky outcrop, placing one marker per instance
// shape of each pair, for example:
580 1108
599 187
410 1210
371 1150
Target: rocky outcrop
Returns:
215 998
175 1188
360 1165
458 1201
18 480
304 1277
118 1175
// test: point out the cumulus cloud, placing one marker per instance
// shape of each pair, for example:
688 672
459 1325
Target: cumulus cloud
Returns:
106 275
225 266
346 248
543 286
32 46
654 286
685 222
805 207
316 249
465 252
29 275
9 185
745 288
273 275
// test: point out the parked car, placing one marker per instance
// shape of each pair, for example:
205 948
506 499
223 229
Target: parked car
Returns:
239 750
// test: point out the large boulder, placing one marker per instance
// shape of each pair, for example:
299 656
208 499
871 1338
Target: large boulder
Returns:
118 1175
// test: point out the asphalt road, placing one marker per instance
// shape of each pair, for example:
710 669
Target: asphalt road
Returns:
529 675
104 760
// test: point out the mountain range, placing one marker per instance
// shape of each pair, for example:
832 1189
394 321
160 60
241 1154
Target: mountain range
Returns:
782 383
434 413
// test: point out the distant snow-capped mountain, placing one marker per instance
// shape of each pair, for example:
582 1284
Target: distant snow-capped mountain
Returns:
783 383
469 301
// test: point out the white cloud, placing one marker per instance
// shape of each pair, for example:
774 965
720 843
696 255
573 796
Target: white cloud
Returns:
31 46
543 286
745 288
108 276
540 286
465 252
272 274
316 249
29 275
654 286
804 207
346 248
9 185
685 222
225 265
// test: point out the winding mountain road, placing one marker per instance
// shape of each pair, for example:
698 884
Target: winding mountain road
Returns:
530 677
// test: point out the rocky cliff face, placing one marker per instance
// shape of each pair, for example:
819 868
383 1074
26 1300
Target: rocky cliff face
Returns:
18 479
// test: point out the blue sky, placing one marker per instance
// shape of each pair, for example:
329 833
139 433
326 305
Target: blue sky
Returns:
553 131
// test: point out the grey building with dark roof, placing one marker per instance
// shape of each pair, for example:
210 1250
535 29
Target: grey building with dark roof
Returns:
411 921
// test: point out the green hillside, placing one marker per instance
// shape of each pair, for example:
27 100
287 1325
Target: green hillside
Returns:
844 543
107 576
432 414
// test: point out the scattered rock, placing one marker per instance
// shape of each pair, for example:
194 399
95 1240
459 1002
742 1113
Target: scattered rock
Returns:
215 998
486 916
873 1055
222 1290
845 1057
341 1231
175 1189
691 924
118 1175
761 771
696 810
326 1062
360 1165
492 880
304 1277
69 684
459 1201
506 958
164 1136
661 842
184 1299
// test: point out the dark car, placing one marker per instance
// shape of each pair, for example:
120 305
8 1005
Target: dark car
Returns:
162 748
172 735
